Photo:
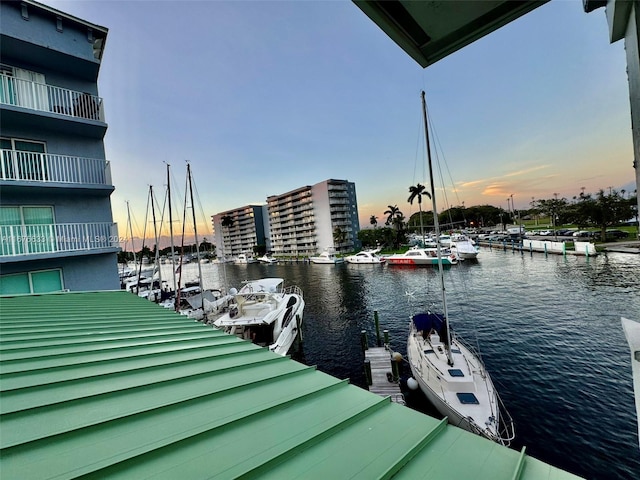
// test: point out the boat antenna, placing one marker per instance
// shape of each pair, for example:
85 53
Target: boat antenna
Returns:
436 226
195 230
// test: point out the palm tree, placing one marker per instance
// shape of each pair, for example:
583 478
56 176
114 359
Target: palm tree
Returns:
392 212
226 221
417 192
398 222
396 218
339 237
373 220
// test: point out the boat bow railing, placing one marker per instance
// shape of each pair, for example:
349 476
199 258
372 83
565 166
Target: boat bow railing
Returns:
506 427
293 290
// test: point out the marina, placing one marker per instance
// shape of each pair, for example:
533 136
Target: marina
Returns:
567 376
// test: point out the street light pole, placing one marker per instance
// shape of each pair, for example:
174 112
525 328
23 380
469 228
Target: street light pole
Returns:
508 209
513 207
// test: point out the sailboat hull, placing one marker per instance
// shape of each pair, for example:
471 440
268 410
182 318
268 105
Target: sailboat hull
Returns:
463 392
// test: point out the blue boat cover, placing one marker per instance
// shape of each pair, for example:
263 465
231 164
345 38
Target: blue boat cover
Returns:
427 321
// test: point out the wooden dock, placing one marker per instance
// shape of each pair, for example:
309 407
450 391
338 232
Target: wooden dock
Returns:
382 382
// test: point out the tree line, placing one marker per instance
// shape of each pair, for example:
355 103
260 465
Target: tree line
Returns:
601 210
206 249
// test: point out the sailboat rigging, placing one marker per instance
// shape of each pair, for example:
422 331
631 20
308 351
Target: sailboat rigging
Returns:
450 373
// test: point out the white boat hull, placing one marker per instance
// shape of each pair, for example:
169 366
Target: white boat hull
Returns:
266 313
464 250
365 257
421 256
326 258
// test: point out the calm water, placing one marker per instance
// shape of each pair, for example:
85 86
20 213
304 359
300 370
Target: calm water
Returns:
548 329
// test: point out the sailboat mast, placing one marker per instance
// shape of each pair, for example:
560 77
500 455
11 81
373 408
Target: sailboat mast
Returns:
155 233
133 248
173 255
195 230
436 227
144 238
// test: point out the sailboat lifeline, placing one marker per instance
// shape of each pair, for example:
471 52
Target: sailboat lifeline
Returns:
450 373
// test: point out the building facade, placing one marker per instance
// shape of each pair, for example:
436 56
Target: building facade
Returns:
314 218
240 230
56 225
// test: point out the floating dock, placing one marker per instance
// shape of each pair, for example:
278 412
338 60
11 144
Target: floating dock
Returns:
381 369
586 249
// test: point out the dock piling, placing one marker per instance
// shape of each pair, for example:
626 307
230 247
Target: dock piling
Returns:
363 340
367 371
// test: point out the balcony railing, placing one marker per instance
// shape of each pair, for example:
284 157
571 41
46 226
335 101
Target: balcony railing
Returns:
47 167
47 98
59 237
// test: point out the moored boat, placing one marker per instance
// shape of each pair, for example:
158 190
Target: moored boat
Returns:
267 259
266 313
243 259
463 247
326 257
421 256
451 374
366 257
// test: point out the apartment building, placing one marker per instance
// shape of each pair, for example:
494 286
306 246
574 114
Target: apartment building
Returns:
240 230
314 218
56 225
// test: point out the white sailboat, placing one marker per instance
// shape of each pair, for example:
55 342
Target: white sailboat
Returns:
449 373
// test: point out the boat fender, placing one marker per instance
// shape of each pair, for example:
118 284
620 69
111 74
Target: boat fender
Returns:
412 383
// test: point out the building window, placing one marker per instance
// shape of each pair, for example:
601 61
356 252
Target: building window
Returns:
23 88
26 229
44 281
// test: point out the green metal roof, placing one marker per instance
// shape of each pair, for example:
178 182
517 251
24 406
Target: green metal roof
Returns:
108 385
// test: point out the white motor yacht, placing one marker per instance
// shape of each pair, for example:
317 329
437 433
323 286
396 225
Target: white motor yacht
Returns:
266 313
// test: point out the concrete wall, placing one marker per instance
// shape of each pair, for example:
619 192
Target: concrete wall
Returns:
79 273
40 29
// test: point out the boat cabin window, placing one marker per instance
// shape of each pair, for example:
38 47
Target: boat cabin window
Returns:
467 399
456 372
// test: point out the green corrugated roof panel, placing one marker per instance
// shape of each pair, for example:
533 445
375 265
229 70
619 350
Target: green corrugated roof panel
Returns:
108 385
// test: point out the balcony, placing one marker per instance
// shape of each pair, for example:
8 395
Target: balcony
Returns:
47 98
22 166
43 240
58 109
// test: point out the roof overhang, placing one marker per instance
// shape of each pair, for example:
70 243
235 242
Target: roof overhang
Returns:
430 30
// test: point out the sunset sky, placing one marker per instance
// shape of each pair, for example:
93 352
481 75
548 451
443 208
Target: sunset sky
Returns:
264 97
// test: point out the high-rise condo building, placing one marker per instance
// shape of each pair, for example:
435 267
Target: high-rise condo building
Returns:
314 218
